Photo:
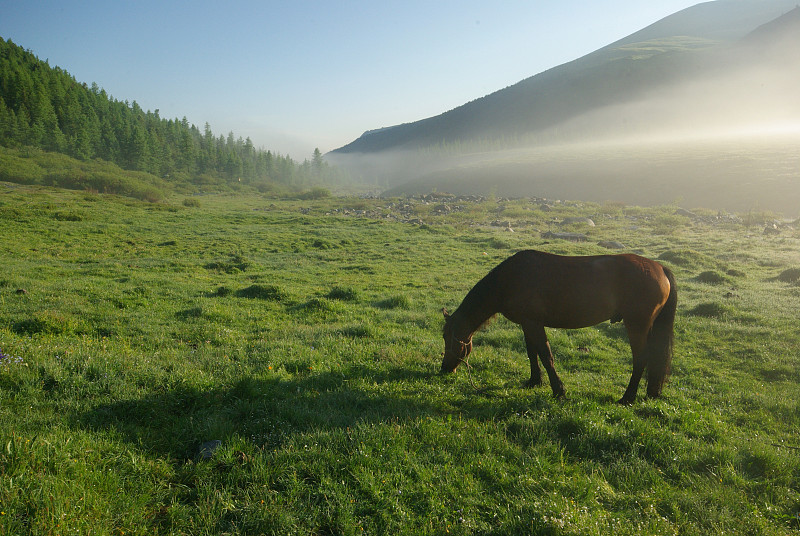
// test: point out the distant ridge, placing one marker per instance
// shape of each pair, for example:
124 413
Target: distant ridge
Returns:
783 31
613 74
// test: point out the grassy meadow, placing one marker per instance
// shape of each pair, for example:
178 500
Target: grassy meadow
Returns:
234 364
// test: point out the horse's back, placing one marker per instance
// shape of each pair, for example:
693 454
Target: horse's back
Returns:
578 291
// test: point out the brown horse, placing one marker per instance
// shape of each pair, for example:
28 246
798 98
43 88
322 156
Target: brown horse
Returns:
537 290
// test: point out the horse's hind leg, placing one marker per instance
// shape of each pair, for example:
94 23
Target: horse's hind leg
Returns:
537 344
638 340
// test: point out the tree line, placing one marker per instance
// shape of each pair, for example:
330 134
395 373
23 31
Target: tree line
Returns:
45 107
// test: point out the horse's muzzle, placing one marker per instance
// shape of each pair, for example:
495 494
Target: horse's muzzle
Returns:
448 367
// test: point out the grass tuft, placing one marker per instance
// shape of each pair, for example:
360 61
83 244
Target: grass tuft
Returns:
711 277
400 301
710 310
792 275
262 292
343 294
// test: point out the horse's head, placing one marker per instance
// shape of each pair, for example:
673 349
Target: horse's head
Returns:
455 350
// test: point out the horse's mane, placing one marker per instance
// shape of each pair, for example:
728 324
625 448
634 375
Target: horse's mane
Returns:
480 299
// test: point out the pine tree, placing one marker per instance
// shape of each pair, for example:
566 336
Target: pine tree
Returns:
45 107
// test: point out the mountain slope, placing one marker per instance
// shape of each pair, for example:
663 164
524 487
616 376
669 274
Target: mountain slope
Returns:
659 54
724 139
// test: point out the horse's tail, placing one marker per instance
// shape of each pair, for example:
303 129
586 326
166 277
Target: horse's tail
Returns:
659 341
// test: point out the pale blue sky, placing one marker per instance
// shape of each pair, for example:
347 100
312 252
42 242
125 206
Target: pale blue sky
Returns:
296 75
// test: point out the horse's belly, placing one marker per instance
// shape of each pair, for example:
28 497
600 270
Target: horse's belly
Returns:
577 319
572 317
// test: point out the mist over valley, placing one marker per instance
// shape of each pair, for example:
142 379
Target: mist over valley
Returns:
700 109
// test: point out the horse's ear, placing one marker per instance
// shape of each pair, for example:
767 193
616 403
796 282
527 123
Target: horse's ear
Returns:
445 313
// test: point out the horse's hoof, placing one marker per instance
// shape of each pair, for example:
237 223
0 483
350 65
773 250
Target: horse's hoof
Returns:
625 401
531 384
560 394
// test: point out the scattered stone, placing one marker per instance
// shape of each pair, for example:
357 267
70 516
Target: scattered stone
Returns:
578 220
687 213
572 237
610 244
771 229
207 449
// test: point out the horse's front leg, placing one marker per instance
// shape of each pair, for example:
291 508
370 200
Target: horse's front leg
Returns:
533 357
537 344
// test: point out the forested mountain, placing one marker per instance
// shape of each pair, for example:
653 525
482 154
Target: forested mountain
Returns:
45 107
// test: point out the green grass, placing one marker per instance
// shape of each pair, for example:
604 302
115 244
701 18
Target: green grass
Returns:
307 341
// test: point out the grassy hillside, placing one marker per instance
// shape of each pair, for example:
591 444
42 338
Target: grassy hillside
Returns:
35 167
305 337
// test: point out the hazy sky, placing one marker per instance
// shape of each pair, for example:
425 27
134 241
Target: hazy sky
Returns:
296 75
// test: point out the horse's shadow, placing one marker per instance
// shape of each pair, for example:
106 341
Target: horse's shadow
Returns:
273 409
266 411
